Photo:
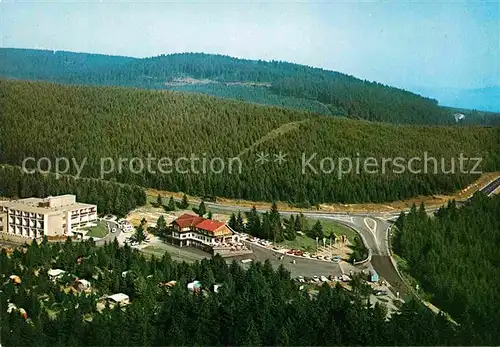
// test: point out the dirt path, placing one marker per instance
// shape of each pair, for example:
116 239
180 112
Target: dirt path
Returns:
285 128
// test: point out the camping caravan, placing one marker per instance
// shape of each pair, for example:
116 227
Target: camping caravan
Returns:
55 274
15 279
194 286
120 299
215 288
82 285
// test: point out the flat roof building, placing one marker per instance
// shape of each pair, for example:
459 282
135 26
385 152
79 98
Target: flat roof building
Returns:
53 216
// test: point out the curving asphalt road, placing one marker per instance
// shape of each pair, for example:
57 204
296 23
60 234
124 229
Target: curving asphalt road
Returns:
373 228
110 237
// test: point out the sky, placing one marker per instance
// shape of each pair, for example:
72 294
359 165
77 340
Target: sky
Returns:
411 45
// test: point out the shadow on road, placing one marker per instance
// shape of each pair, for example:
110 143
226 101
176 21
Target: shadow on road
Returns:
384 267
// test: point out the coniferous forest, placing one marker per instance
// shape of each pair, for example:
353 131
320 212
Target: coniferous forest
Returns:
271 83
455 258
92 124
260 306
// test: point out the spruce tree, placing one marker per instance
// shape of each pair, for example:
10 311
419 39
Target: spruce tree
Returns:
139 235
171 204
317 231
201 209
253 225
240 225
233 224
184 203
161 226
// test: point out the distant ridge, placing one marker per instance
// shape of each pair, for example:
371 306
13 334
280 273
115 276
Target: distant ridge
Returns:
273 83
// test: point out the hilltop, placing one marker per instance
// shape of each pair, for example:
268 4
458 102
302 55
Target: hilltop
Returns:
273 83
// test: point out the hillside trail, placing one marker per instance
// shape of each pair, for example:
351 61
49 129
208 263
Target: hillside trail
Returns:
271 135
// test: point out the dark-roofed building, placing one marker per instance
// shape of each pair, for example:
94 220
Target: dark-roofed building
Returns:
191 230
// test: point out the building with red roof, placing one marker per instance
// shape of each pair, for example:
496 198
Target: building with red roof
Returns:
192 230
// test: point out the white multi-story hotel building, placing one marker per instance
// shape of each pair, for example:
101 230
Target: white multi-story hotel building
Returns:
53 216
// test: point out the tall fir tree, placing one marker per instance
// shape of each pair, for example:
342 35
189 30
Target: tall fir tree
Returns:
171 204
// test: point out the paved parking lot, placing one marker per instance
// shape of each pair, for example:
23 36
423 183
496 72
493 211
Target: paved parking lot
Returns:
302 266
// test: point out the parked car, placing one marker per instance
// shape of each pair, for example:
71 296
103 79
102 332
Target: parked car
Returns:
316 278
336 259
324 279
346 278
380 293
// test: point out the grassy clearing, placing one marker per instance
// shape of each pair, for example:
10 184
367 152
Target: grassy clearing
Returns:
100 230
188 255
308 244
301 242
337 228
153 250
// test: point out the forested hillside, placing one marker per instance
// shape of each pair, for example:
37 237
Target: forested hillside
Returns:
272 83
455 258
55 66
257 307
474 117
92 125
